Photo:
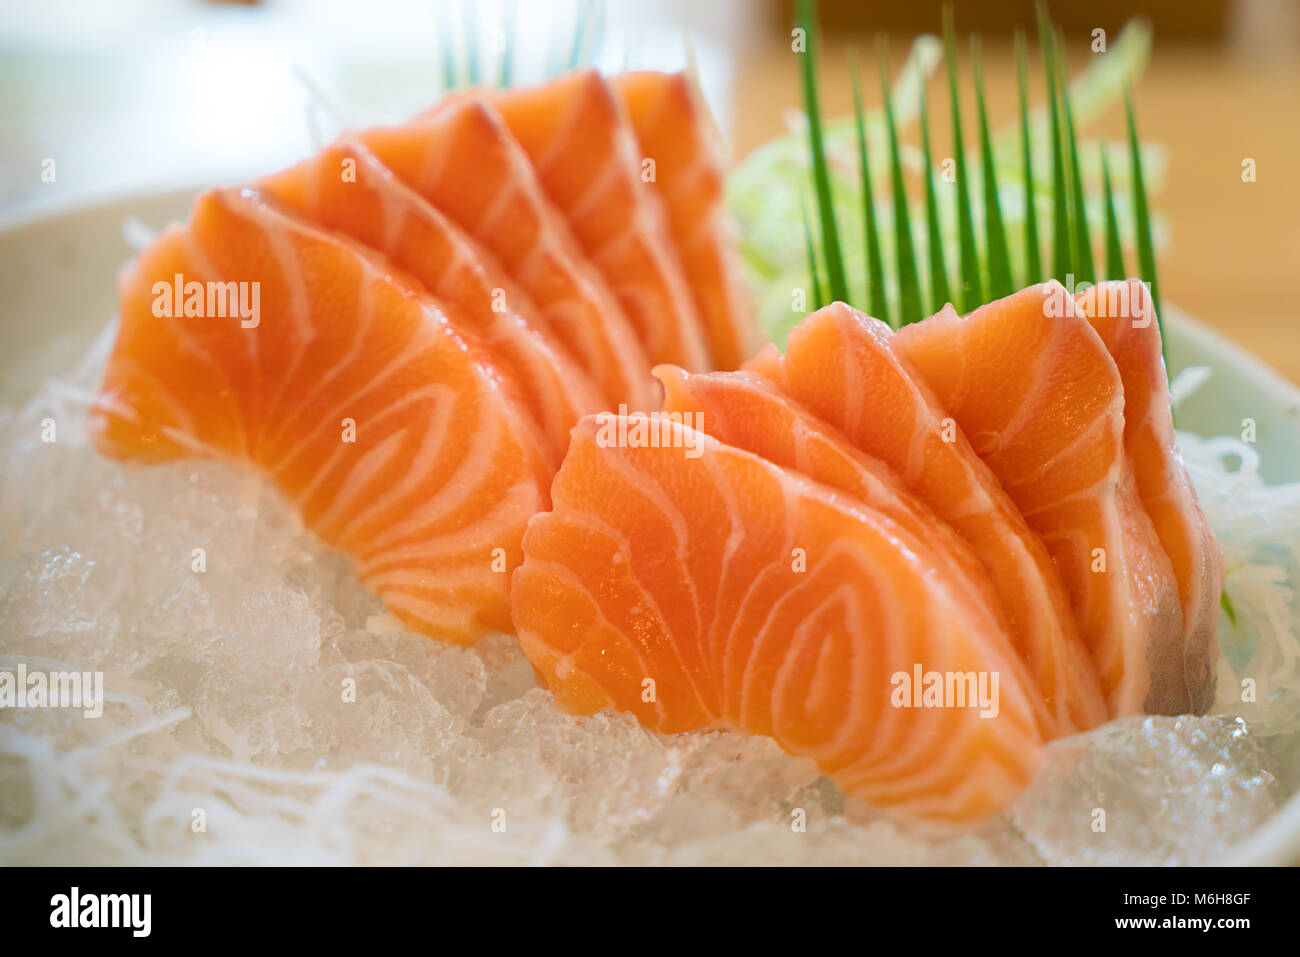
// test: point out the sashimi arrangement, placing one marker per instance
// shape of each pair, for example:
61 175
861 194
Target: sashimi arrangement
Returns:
504 357
441 302
957 499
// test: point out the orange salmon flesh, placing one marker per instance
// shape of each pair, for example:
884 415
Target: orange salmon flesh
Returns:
505 358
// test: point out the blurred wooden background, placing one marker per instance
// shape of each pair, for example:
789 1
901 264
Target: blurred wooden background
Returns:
127 98
1223 83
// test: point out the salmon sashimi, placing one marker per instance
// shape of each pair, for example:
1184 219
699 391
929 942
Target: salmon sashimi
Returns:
912 558
840 365
1123 315
582 145
675 131
668 581
387 428
345 188
1040 399
463 159
767 362
749 412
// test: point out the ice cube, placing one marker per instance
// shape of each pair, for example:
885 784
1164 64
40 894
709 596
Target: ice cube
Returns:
64 604
1148 790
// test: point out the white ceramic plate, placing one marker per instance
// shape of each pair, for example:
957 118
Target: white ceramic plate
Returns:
58 272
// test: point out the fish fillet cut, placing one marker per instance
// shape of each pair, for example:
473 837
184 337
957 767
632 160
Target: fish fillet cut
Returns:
346 189
581 143
385 426
840 364
1123 315
663 584
463 159
1040 399
675 131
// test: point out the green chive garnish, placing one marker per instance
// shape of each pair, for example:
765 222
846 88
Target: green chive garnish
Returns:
909 286
835 280
999 259
939 294
875 278
971 294
1060 213
1033 261
1114 251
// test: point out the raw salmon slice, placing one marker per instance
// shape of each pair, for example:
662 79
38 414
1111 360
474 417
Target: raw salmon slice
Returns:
840 365
767 362
581 144
674 130
388 429
1123 315
463 159
345 188
1034 389
669 584
749 412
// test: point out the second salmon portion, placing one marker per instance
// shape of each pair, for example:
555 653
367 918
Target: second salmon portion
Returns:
1034 389
755 555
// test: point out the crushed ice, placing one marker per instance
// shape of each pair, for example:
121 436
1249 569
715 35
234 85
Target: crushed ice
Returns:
261 710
